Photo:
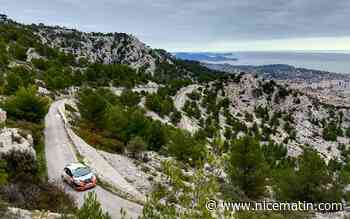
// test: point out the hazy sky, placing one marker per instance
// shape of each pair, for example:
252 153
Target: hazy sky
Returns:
201 25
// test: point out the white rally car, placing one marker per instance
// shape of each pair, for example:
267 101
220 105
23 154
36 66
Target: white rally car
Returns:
79 176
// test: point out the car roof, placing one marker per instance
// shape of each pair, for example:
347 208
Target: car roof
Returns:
74 166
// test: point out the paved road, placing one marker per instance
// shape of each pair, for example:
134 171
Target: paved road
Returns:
181 96
59 152
179 101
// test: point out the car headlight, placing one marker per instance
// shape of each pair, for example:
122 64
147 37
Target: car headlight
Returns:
78 182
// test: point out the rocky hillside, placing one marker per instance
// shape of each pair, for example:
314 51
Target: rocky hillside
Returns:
207 126
272 111
111 48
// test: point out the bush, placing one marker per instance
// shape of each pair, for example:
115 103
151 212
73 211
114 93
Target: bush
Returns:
41 64
185 148
161 104
27 105
332 131
311 182
175 117
18 77
192 110
18 162
155 135
91 208
92 105
194 95
100 140
31 194
275 154
19 52
129 98
136 146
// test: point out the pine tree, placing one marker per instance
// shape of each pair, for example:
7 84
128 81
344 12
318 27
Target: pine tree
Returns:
247 168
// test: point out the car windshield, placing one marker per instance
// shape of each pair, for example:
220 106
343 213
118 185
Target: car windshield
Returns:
81 171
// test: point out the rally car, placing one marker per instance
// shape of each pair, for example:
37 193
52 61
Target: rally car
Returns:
79 176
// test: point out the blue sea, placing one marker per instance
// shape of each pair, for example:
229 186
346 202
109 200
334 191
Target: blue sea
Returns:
332 61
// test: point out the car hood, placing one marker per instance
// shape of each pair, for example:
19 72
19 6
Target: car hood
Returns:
85 177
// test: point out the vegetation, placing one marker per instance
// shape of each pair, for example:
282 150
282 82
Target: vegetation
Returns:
22 186
26 104
161 104
192 199
110 125
91 208
247 167
185 148
16 78
312 181
192 110
117 124
135 146
331 131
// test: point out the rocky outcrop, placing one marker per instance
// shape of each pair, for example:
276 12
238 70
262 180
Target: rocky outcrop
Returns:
12 139
112 48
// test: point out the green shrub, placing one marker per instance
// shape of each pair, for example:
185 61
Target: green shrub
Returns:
192 110
247 167
331 131
175 117
91 208
185 148
311 182
18 77
163 105
136 146
91 105
27 105
129 98
19 52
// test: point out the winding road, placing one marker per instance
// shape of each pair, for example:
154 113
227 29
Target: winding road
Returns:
180 99
59 152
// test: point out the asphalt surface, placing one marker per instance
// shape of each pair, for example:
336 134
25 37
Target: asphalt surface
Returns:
59 152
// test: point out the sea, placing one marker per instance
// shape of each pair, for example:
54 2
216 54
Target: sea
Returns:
332 61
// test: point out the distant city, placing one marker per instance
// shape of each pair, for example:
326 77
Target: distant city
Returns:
329 61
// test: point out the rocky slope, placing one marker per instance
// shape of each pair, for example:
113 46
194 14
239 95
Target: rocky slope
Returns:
112 48
292 117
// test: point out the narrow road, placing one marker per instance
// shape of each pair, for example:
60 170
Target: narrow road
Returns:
59 152
179 101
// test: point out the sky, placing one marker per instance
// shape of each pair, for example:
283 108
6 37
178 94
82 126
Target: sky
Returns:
201 25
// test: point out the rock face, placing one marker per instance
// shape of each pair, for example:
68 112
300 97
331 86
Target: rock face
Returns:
302 112
12 139
112 48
